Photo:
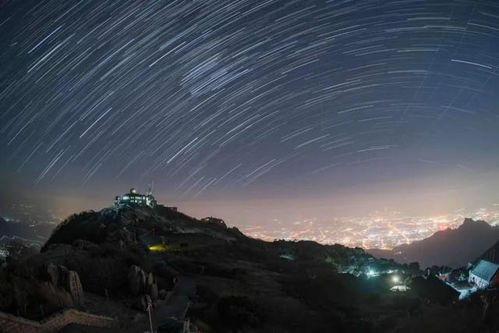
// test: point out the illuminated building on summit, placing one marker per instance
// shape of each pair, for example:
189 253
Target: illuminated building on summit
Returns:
136 199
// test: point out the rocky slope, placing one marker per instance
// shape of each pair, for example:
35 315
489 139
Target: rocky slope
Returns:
492 254
222 280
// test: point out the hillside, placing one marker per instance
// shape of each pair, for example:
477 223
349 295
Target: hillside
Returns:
451 247
119 259
492 254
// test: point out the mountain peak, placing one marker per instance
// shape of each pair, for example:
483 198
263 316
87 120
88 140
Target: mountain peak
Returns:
469 222
134 226
450 247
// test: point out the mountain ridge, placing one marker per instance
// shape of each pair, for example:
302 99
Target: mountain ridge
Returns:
123 259
450 247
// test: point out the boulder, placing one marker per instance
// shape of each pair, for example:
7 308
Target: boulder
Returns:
62 287
143 302
141 282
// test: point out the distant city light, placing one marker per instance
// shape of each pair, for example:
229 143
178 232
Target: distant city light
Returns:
392 231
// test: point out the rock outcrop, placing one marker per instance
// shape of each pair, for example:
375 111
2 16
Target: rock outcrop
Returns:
143 286
141 282
62 286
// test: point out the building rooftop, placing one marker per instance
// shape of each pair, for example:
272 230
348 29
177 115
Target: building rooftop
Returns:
485 270
134 198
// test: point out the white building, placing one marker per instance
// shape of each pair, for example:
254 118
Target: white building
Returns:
484 274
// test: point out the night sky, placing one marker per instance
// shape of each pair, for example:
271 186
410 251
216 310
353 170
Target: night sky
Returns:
251 110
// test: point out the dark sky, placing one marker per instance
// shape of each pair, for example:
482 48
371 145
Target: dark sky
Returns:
250 109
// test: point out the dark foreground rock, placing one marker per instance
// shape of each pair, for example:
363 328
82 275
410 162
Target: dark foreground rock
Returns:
203 274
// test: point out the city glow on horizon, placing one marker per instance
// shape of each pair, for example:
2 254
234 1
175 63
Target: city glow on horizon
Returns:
304 119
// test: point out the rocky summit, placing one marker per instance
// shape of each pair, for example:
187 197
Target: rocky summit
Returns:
141 267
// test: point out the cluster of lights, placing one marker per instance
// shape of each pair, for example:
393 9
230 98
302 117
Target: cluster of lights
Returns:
372 273
394 278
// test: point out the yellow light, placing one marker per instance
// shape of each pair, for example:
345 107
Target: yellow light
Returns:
158 248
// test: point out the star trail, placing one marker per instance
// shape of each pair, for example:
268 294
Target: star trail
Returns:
215 98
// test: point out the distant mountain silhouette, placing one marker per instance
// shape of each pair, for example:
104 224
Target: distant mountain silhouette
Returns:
36 233
451 247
